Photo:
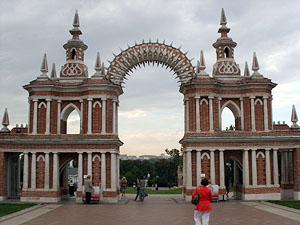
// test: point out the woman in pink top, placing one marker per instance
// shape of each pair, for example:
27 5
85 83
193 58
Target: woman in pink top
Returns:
203 208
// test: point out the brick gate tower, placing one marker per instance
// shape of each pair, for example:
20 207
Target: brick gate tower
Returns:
254 143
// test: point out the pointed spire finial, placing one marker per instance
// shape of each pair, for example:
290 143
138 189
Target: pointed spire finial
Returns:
53 71
223 20
5 122
76 19
246 71
201 66
255 65
98 63
44 67
294 118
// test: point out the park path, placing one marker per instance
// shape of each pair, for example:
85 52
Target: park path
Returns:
161 210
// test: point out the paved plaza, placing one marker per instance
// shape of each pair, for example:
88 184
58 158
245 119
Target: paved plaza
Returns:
155 210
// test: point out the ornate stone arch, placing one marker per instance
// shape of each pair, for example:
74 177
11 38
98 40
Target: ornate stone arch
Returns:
96 157
97 103
203 100
40 157
159 53
67 110
260 153
205 154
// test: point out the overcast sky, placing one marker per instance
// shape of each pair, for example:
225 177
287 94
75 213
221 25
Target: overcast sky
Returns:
151 108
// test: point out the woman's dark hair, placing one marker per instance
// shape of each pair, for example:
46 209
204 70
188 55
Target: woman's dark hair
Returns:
204 182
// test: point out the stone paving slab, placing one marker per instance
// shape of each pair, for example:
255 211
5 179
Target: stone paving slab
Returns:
157 210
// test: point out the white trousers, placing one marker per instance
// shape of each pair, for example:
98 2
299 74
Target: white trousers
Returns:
199 215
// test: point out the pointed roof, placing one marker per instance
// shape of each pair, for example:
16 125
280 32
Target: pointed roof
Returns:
5 122
294 118
98 63
201 65
53 71
223 21
255 66
76 19
246 71
44 67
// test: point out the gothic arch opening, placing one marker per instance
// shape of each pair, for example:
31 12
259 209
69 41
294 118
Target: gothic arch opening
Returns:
70 120
230 116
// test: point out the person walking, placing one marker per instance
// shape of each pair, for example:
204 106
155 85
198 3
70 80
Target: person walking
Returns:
88 189
203 208
123 186
142 188
138 186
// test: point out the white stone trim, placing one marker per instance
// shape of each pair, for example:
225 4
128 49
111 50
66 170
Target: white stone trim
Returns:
265 196
296 195
260 153
63 113
103 171
97 103
40 199
42 104
189 169
39 157
203 100
205 154
103 130
258 101
96 157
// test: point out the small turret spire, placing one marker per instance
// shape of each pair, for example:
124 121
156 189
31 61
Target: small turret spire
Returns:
98 63
5 122
53 71
76 20
255 66
44 67
223 20
246 71
201 66
99 68
294 118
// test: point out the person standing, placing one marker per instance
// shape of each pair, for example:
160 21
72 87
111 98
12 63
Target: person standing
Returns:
88 189
142 188
203 208
138 186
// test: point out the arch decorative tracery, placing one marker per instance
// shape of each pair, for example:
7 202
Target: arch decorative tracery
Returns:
167 55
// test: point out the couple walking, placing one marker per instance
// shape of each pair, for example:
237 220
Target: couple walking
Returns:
141 184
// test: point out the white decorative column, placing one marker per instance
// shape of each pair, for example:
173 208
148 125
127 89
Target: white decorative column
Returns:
189 169
90 172
211 114
252 113
48 116
197 114
103 171
220 115
254 168
198 163
266 119
114 116
113 171
47 171
81 115
275 167
103 130
245 168
55 171
184 169
58 115
242 114
80 171
222 171
89 115
268 168
25 172
290 167
118 171
212 166
33 170
29 103
117 119
271 99
35 109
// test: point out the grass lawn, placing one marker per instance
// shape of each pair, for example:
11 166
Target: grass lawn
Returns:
291 204
8 208
131 190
